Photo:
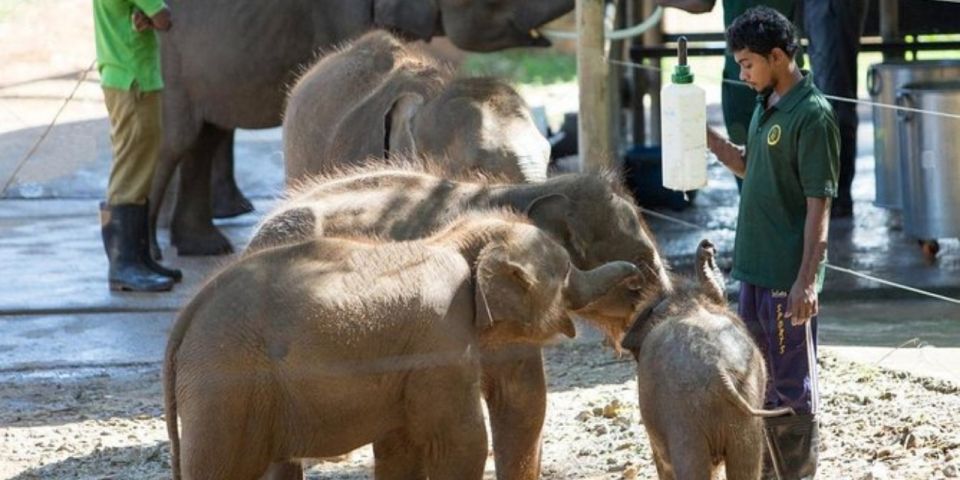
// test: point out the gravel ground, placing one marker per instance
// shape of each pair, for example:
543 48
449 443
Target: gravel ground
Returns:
91 424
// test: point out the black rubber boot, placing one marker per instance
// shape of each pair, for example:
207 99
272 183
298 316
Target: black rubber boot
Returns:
124 232
793 445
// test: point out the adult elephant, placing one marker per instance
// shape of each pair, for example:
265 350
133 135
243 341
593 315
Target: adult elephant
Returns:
227 64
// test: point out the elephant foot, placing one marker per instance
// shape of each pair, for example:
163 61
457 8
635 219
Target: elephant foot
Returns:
208 242
156 252
230 204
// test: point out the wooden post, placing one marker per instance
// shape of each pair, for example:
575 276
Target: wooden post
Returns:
595 132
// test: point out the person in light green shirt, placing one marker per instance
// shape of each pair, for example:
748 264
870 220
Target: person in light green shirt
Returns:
128 59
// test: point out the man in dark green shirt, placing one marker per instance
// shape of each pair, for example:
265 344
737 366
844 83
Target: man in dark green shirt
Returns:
789 168
128 59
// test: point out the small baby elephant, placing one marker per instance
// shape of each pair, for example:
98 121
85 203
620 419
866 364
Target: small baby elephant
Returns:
316 348
701 380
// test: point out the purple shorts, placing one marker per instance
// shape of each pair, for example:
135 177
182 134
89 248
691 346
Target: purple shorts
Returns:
783 345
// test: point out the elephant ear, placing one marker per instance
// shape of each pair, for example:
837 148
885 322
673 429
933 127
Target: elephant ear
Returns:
398 125
416 19
553 213
501 287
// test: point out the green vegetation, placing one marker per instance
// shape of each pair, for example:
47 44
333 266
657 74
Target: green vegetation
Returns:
524 66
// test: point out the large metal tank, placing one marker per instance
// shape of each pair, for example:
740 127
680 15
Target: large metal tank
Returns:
883 80
930 159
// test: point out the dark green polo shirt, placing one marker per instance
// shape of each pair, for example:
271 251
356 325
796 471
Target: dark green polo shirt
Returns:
792 154
737 99
123 55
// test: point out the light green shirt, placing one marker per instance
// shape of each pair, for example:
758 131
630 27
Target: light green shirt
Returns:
125 56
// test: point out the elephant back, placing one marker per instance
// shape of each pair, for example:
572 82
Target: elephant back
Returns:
338 112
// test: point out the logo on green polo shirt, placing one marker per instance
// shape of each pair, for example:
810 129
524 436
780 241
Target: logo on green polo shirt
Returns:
773 136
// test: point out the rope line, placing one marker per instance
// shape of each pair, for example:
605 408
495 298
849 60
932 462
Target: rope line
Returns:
831 97
43 136
828 265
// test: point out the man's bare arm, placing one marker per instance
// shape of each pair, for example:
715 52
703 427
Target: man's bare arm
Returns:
730 154
803 301
161 20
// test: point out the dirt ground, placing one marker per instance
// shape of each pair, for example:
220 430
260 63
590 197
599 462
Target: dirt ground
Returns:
876 424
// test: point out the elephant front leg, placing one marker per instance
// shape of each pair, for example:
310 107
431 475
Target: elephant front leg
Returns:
192 230
228 200
397 458
514 386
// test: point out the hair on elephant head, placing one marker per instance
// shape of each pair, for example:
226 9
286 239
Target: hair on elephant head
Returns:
596 224
525 287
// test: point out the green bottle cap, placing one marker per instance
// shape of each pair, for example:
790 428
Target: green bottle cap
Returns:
682 74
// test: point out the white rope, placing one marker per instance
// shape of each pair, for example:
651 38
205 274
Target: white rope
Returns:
893 284
43 136
634 31
831 97
828 265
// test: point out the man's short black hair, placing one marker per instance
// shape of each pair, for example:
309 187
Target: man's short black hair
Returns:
760 30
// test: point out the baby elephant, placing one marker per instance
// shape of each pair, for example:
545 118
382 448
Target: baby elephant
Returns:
701 380
317 348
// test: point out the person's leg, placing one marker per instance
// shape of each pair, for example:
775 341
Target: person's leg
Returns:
788 368
793 440
135 134
834 28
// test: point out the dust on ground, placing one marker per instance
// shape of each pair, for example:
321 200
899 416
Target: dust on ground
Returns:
108 424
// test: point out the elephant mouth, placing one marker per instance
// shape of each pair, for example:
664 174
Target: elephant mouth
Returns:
531 35
537 38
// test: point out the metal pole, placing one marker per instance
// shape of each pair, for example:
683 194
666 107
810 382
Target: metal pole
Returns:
616 81
594 126
654 37
638 78
890 27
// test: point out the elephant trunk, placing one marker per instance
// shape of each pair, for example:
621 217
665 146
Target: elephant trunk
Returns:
709 276
584 288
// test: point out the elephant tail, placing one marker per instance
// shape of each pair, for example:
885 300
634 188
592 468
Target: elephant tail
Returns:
170 407
734 396
170 385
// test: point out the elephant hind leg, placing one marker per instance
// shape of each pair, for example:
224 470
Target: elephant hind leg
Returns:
192 231
444 417
289 470
744 453
220 452
690 456
228 200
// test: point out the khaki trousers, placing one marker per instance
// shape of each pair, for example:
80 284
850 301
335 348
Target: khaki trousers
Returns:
135 131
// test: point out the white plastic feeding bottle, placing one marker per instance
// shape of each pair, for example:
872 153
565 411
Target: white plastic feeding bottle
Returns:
683 121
